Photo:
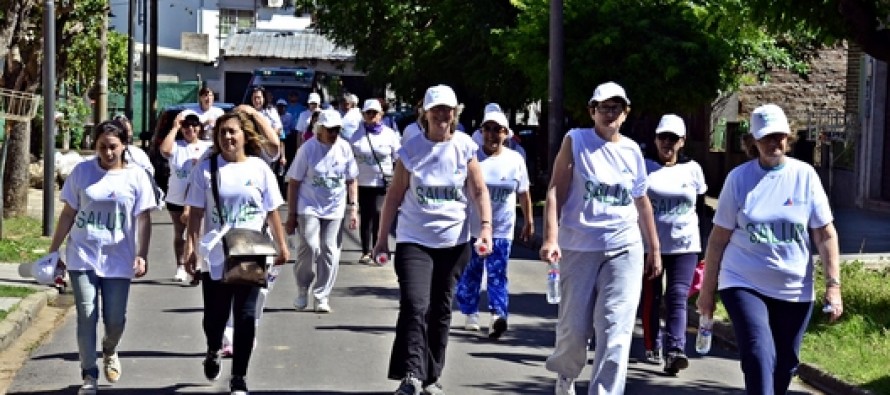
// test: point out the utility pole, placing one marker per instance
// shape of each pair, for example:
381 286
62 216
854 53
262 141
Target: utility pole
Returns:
49 117
144 63
153 62
100 112
131 68
555 83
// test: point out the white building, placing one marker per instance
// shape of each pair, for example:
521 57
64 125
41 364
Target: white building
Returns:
200 40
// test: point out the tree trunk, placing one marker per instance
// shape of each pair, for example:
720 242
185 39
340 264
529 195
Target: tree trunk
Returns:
16 176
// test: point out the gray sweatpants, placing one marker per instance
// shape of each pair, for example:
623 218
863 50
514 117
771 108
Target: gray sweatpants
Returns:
318 254
600 293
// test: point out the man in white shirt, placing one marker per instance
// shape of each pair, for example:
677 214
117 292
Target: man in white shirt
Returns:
352 116
314 104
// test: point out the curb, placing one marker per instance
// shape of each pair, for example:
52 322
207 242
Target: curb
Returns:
20 319
810 374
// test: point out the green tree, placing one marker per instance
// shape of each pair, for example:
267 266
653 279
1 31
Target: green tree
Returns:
414 44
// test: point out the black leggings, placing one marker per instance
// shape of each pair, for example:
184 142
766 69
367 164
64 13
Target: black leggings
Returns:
219 301
370 216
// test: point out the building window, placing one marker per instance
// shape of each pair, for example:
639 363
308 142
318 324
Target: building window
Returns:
230 21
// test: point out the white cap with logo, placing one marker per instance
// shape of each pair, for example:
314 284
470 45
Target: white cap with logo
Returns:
330 118
314 98
768 119
671 123
372 105
439 95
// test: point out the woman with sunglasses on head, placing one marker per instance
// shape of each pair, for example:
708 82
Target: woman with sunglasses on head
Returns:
596 216
247 198
506 177
106 227
676 184
374 146
437 176
770 211
321 189
182 154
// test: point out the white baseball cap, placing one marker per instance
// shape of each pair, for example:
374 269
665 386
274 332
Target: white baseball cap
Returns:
768 119
351 98
498 118
314 98
330 119
492 107
606 91
372 105
671 123
281 102
43 270
439 95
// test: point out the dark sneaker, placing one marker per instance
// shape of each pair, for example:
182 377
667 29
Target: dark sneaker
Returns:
238 386
212 365
497 328
409 386
674 362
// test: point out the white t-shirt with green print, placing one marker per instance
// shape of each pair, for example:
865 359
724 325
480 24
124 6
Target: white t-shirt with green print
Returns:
182 160
770 213
322 171
505 175
599 213
103 235
433 212
248 192
386 144
673 191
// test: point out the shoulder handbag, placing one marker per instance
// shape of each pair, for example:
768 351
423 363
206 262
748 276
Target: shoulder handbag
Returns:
386 179
246 251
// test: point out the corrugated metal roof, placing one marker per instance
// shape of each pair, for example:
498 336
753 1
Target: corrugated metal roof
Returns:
284 45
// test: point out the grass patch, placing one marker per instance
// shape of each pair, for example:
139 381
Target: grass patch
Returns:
22 240
9 291
856 348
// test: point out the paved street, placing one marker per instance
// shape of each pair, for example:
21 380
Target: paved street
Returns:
345 352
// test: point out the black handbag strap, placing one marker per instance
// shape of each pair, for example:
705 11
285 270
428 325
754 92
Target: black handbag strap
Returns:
374 154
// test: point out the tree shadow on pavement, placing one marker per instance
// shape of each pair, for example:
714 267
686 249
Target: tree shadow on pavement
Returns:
74 357
391 293
106 389
363 329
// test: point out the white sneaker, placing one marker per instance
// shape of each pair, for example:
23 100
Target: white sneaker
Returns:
302 300
89 386
472 323
181 275
322 306
565 386
112 367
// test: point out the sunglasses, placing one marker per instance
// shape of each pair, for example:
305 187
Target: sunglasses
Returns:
610 108
335 129
669 137
492 128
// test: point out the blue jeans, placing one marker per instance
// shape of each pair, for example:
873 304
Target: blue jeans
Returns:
768 332
679 270
467 293
87 288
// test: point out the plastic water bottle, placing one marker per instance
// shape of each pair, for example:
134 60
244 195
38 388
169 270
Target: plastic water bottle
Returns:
553 295
705 335
481 248
382 258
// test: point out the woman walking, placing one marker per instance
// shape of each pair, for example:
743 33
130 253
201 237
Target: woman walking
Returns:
374 146
675 185
596 210
436 177
321 184
759 254
106 224
248 197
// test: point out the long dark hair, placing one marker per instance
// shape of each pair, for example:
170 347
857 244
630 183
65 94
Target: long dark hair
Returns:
267 97
115 128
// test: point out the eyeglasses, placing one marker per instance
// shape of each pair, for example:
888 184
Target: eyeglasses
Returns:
670 137
492 128
610 108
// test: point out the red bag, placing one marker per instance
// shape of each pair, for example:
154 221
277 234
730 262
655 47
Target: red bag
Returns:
698 275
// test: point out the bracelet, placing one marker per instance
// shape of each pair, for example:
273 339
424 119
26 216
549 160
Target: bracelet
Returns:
832 282
486 223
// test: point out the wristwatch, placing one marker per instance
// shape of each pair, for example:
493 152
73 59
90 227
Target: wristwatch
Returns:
832 282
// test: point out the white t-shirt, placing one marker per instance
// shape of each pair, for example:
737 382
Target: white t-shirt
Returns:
351 121
769 213
410 131
599 213
248 191
138 157
322 171
303 121
386 144
183 159
673 191
103 235
505 175
212 114
434 210
271 114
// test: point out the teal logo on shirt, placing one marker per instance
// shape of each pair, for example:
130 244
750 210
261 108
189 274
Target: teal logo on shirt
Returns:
670 206
612 195
99 221
233 216
499 195
327 182
775 233
438 195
